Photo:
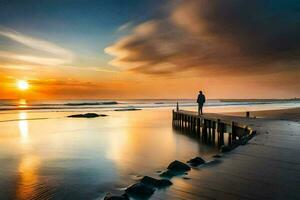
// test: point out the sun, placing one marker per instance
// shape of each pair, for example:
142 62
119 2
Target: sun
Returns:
22 85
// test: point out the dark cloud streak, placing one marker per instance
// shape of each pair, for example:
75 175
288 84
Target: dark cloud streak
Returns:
211 37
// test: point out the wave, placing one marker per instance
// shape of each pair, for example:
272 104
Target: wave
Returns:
91 103
112 105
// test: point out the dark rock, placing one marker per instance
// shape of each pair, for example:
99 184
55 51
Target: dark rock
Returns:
109 196
244 140
178 166
92 103
196 161
127 109
139 190
169 174
225 149
87 115
157 183
217 156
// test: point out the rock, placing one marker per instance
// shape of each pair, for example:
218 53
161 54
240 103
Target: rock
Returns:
127 109
109 196
178 166
196 161
244 140
168 174
139 190
92 103
225 149
217 156
87 115
157 183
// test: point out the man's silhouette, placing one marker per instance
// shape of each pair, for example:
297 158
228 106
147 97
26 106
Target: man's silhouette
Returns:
200 101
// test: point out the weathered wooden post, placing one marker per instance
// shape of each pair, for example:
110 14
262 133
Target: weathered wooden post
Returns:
214 131
198 126
177 106
204 130
233 131
219 129
191 124
248 114
173 118
209 130
194 124
181 121
221 132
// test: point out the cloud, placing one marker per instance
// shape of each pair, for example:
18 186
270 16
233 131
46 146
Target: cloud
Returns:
215 37
49 61
56 54
125 26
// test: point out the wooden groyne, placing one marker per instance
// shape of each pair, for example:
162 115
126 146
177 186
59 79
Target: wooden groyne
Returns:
211 128
266 168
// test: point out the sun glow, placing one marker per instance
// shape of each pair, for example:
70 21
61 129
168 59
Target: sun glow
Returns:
22 85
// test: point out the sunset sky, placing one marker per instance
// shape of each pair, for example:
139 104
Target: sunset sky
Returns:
73 49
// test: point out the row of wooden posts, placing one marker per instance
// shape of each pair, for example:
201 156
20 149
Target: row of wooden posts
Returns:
208 129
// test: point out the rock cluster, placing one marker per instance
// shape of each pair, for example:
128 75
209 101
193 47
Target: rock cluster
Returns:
109 196
87 115
147 185
157 183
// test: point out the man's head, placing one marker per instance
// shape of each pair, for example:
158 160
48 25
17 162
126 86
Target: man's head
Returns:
200 92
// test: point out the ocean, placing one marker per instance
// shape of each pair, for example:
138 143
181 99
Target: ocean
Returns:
109 105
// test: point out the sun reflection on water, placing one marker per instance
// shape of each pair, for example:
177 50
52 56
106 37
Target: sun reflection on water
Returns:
29 163
22 103
23 126
28 181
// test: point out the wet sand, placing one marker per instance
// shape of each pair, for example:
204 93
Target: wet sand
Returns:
268 167
47 155
292 114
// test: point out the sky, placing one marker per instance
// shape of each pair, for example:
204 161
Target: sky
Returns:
91 49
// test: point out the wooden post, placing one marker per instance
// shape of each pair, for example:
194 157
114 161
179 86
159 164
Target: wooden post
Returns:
204 130
233 131
214 131
181 121
248 114
209 130
221 132
173 119
218 129
177 106
198 126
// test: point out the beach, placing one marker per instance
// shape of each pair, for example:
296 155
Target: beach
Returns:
265 168
45 154
292 114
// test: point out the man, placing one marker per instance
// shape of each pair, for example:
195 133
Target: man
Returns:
200 101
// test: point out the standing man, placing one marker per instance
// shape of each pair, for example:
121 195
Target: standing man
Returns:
200 101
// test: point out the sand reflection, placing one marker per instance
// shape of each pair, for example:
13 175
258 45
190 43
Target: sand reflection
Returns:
137 143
